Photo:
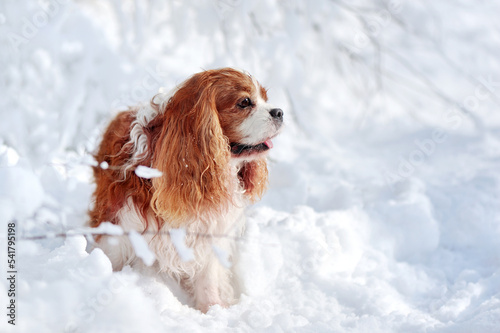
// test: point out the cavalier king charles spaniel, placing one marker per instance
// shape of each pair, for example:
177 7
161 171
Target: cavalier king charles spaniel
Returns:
209 139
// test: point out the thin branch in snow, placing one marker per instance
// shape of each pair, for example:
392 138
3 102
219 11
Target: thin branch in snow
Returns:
96 232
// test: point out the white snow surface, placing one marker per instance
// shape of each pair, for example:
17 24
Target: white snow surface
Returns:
383 213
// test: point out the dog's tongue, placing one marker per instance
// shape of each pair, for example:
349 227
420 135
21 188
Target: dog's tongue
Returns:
269 143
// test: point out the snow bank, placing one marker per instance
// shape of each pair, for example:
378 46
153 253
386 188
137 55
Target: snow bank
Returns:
21 193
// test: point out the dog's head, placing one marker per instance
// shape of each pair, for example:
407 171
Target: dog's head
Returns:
235 102
213 118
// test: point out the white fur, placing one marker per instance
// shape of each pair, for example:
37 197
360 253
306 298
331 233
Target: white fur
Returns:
259 126
205 277
144 114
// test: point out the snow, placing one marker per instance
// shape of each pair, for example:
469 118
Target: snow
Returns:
21 193
104 165
141 248
178 237
146 172
383 209
107 228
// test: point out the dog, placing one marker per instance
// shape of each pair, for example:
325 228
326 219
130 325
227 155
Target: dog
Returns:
208 139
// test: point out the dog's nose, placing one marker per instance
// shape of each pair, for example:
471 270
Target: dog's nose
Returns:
277 114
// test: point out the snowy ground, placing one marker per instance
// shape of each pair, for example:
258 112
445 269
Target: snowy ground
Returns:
384 208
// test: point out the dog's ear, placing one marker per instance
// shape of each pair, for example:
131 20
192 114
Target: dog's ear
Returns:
254 177
193 155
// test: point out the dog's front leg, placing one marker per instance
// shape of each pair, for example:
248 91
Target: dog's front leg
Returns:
210 283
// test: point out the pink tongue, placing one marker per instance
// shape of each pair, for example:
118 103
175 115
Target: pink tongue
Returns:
269 143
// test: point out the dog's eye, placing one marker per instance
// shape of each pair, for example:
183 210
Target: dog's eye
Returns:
245 103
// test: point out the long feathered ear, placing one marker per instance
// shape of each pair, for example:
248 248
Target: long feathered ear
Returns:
254 177
193 155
